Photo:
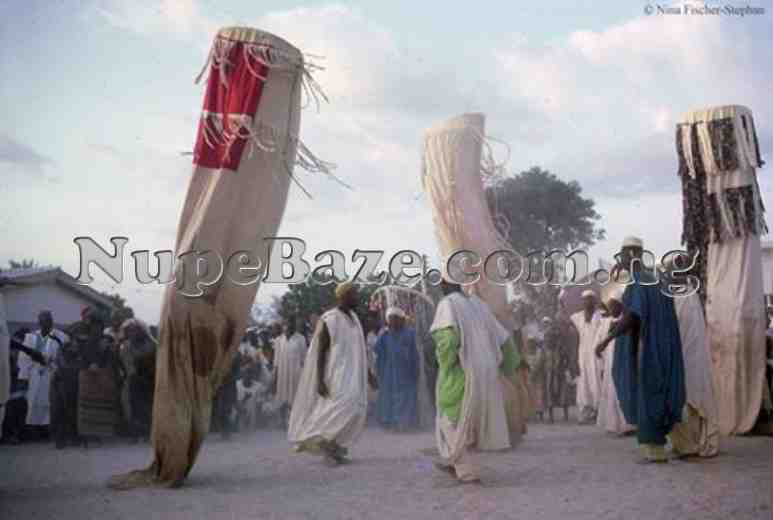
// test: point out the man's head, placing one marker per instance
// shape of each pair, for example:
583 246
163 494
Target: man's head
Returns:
116 319
46 321
632 248
276 329
347 295
290 327
87 314
546 322
588 300
395 318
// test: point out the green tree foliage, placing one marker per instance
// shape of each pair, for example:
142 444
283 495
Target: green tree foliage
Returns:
544 212
26 263
537 211
304 299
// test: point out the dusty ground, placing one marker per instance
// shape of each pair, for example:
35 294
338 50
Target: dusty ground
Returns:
560 471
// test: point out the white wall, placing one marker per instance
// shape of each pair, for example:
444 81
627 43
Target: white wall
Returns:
24 303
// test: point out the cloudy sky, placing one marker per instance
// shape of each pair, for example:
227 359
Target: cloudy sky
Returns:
99 102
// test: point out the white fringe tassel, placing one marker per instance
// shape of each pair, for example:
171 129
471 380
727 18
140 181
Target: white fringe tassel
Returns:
269 57
266 138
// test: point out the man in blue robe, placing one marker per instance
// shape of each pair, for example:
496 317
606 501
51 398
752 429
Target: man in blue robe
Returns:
648 367
397 368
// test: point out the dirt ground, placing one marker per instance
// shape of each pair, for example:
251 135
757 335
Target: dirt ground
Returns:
558 471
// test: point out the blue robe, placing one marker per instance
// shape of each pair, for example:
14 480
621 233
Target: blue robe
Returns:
650 383
397 369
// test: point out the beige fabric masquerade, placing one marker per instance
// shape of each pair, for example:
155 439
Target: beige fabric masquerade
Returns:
225 211
451 177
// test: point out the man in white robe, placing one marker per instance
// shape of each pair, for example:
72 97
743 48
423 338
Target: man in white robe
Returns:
288 359
331 404
471 409
588 324
47 342
610 417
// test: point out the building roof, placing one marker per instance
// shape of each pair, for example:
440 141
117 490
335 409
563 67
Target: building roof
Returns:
36 275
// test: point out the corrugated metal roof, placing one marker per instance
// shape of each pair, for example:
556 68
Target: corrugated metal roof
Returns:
32 275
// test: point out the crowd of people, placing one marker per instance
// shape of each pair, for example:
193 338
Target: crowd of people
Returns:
95 379
633 360
74 386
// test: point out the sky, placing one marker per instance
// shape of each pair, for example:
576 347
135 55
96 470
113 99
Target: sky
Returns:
99 102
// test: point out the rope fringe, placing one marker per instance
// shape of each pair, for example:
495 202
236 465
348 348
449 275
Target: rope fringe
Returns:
269 57
267 139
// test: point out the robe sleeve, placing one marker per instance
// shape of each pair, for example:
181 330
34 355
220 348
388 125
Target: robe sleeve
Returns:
25 362
450 389
511 359
636 301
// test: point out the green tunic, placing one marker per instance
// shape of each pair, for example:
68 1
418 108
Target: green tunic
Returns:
450 378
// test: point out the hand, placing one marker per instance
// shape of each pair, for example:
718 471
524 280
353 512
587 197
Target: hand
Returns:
322 389
601 347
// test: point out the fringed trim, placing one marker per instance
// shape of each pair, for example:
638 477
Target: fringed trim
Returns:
713 217
266 138
268 56
754 139
716 144
491 172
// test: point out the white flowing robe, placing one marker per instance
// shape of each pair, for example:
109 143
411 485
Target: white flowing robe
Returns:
698 373
289 365
341 416
482 423
610 415
589 384
38 376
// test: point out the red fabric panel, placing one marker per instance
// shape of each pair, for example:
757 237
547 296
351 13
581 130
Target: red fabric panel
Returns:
240 96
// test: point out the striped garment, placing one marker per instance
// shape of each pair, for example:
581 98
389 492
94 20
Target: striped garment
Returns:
97 402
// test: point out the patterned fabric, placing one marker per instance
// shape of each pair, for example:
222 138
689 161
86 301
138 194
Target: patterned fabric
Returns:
723 144
702 211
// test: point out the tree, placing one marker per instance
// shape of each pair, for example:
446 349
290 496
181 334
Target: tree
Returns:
537 211
118 308
26 263
307 298
544 212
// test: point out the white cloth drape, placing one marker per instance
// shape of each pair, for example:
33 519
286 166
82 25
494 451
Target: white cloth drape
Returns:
589 383
482 423
341 416
699 384
288 358
610 416
735 314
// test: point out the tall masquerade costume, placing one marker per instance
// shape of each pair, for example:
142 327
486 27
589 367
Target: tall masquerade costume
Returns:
718 153
453 162
246 148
